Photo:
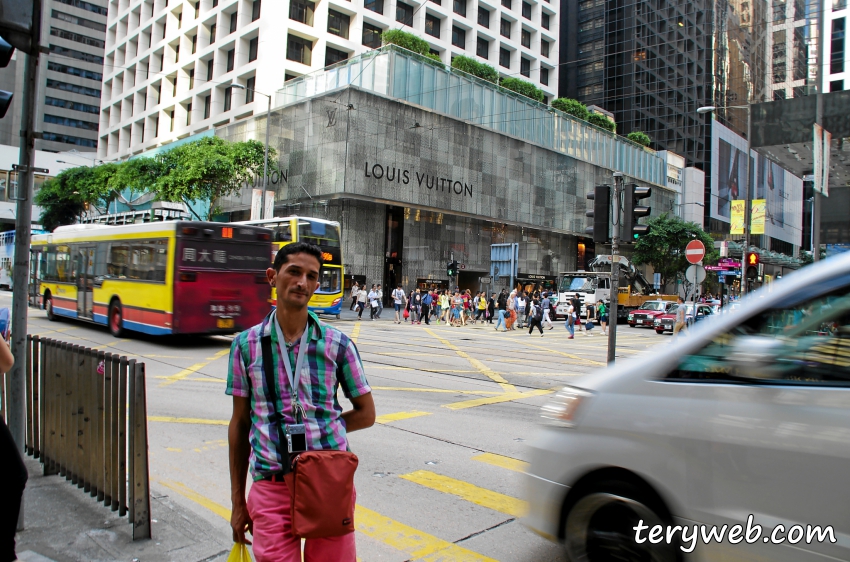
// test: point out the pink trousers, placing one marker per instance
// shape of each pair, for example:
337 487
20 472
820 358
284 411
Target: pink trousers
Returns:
268 505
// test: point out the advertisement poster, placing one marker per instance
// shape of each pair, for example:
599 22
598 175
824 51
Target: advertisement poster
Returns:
737 225
817 157
758 214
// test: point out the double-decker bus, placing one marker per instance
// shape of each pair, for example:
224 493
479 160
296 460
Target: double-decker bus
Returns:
324 234
157 278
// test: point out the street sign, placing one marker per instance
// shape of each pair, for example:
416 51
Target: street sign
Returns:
695 251
25 169
484 280
462 265
656 281
715 268
695 274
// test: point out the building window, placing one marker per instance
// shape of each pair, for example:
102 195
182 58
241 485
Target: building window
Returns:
482 48
228 98
836 62
525 38
333 56
836 85
191 78
75 105
544 20
544 76
432 26
69 122
194 43
87 6
84 39
231 59
778 95
253 47
437 2
234 20
458 37
214 3
88 74
71 53
506 4
459 7
287 77
505 28
302 10
544 48
171 120
250 84
838 4
179 20
526 10
299 50
525 67
483 17
376 6
212 33
69 139
197 9
207 104
156 126
371 35
188 114
338 23
177 52
504 57
255 10
779 62
174 87
210 66
404 14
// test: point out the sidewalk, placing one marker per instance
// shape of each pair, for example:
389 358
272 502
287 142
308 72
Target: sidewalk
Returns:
64 524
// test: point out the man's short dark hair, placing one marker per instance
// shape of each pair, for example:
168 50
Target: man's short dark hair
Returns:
283 254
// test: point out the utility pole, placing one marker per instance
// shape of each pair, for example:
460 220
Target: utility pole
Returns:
817 197
23 230
615 268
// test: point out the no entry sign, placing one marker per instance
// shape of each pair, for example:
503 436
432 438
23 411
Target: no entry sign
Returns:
695 251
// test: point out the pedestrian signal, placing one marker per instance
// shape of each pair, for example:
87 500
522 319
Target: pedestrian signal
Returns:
600 212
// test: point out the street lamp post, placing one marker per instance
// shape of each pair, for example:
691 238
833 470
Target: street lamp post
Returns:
748 196
266 153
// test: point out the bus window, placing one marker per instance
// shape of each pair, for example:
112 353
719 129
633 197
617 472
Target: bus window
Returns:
117 265
63 264
318 233
282 232
100 261
329 280
160 262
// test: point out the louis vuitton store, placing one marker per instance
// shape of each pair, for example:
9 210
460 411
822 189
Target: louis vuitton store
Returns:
416 180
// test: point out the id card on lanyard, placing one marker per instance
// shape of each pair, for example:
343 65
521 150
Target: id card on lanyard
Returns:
296 434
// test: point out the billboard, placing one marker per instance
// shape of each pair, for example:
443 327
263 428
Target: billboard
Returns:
781 190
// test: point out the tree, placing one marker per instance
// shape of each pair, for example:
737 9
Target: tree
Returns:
602 122
479 69
639 137
524 88
571 107
65 197
663 247
207 170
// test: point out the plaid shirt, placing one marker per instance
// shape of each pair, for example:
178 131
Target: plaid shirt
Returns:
331 358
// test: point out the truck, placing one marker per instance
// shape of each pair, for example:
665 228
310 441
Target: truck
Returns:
595 285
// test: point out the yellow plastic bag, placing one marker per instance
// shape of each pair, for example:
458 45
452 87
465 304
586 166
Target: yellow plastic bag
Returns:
239 554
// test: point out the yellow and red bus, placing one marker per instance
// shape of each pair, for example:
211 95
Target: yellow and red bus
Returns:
159 278
324 234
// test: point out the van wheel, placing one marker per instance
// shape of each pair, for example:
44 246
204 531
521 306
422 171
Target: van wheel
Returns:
599 526
116 319
659 332
48 307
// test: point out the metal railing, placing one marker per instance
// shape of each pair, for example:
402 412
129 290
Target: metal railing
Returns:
79 426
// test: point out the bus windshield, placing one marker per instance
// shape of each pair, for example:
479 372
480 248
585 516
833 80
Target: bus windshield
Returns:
572 283
319 233
330 280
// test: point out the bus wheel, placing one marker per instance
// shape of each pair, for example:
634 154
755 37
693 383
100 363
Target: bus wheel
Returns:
337 316
48 307
116 319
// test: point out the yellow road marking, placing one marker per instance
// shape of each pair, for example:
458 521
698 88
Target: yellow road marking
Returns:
200 379
438 390
387 418
355 332
183 374
502 461
576 357
412 353
110 344
197 421
482 368
469 492
506 397
174 449
414 543
219 354
399 368
187 492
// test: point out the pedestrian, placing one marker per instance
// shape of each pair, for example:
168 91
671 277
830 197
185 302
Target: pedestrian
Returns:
602 314
380 301
398 302
482 306
491 308
457 309
13 474
427 299
535 318
500 317
680 317
521 304
576 302
445 306
547 305
438 305
416 307
261 376
362 295
355 290
373 302
571 320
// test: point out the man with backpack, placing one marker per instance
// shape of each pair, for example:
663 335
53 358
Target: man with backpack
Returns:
535 317
547 305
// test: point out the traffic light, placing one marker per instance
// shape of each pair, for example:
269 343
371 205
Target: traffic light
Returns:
752 259
6 51
632 212
451 269
601 213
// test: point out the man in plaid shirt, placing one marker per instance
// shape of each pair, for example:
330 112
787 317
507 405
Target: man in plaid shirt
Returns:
331 360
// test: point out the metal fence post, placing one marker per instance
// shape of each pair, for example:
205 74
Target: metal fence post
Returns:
115 397
28 441
122 438
36 397
141 514
81 391
107 428
63 454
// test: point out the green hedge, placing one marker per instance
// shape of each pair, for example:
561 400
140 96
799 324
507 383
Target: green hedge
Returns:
406 40
639 137
479 69
602 122
571 107
524 88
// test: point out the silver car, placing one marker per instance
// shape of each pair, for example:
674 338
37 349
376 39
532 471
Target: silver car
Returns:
744 422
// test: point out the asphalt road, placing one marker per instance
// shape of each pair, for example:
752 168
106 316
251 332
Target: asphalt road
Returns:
440 473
